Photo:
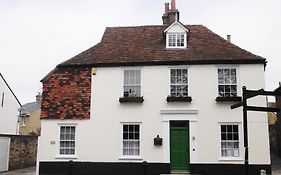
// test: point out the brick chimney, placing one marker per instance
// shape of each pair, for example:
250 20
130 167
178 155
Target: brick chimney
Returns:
171 14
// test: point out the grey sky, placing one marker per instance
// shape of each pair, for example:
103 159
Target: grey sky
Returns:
36 35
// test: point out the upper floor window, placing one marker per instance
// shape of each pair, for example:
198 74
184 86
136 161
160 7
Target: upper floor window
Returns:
67 140
227 82
176 40
179 82
132 83
229 140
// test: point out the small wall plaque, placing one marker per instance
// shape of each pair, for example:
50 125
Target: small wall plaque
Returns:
158 141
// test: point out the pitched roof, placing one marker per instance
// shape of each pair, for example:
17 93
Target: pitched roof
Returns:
146 45
30 107
10 89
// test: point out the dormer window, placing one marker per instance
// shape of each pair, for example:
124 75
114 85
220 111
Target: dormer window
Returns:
176 40
176 36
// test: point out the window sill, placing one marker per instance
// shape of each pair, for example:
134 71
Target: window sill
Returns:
171 48
66 157
179 99
130 158
231 159
131 100
228 99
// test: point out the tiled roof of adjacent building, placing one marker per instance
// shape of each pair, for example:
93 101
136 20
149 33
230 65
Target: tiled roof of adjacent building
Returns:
146 45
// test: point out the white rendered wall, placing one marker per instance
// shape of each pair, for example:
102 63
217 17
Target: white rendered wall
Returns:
9 110
99 139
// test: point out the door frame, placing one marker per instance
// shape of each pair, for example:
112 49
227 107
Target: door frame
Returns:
179 115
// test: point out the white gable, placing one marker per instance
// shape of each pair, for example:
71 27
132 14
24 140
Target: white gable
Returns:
176 27
8 109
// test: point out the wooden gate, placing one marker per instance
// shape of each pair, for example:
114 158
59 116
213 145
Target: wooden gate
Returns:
4 153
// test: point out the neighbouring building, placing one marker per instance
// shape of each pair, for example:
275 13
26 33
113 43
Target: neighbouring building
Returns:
9 105
30 123
153 100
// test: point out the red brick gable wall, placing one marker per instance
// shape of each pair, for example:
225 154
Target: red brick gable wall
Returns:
67 94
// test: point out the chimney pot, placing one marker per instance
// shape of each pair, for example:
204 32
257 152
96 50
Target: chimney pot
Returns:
167 8
173 5
229 38
39 97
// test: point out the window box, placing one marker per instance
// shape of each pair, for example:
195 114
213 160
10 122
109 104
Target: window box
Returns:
178 99
228 99
131 100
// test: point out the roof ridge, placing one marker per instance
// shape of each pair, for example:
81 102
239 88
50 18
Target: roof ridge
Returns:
151 26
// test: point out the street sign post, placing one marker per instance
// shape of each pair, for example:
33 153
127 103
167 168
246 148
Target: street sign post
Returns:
246 94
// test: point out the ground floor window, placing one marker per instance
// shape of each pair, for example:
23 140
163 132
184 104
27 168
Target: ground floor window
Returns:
229 140
67 140
131 139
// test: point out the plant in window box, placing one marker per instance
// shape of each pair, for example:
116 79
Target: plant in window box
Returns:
131 98
178 99
126 94
230 98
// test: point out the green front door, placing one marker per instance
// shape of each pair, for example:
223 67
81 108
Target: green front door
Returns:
179 146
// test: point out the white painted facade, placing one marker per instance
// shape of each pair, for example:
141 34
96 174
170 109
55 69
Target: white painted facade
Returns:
8 110
99 139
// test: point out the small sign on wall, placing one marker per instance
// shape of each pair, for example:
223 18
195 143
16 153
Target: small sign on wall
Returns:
158 141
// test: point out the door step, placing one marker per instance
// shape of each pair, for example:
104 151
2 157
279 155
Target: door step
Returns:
177 174
180 174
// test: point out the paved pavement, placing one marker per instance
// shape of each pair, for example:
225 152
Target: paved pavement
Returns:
276 168
25 171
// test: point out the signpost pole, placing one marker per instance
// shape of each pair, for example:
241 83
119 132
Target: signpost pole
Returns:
245 128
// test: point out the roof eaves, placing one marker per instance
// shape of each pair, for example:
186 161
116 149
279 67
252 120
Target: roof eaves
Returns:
176 62
48 75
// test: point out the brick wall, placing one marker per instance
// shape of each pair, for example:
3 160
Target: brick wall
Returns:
23 151
67 94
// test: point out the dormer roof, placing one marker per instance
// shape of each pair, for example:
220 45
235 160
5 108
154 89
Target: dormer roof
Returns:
176 23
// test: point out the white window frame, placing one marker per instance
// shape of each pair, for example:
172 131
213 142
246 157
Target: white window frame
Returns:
123 79
218 83
240 139
130 157
170 84
66 156
176 38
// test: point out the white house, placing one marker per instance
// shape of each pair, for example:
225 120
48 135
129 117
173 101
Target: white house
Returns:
153 100
9 105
